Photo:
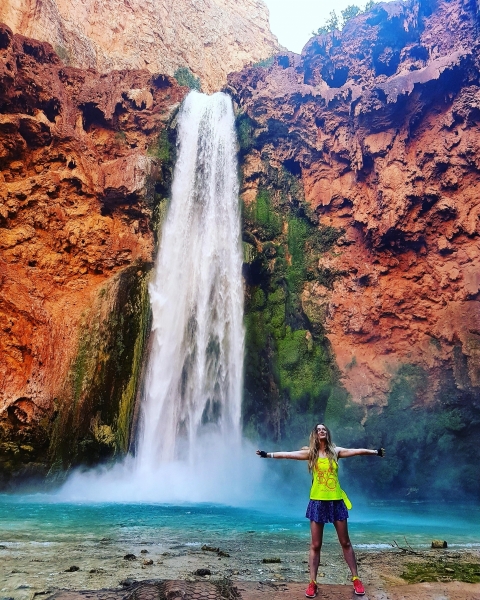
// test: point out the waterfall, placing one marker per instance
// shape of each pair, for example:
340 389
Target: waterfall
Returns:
194 376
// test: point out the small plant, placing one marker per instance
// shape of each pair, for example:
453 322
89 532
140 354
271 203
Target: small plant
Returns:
120 137
161 148
266 62
185 77
63 54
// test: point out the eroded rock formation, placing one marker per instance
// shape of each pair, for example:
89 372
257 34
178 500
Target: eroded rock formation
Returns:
211 37
82 159
360 181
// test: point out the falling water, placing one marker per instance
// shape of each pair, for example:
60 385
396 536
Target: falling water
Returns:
194 376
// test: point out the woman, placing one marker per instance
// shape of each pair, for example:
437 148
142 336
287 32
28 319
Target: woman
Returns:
328 502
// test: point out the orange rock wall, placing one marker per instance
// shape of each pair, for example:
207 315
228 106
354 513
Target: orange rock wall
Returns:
381 124
78 164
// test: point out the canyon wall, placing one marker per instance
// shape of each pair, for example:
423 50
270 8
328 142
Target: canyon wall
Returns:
361 175
360 166
210 37
85 166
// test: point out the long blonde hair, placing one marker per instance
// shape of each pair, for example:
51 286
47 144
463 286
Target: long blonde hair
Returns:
314 448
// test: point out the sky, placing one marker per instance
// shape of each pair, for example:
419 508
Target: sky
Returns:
293 21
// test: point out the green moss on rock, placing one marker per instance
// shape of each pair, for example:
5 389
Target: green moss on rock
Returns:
289 370
95 417
442 570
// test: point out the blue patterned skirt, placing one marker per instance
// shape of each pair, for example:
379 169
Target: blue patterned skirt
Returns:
326 511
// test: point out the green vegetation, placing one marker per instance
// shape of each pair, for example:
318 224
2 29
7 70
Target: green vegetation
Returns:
334 23
95 417
265 63
245 132
120 137
63 54
185 77
331 24
268 224
289 372
442 570
162 149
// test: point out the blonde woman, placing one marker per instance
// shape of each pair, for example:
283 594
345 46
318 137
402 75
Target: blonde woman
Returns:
328 502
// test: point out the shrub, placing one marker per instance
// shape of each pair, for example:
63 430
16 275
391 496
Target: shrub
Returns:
185 77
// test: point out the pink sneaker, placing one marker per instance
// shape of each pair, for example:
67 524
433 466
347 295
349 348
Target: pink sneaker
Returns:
358 587
311 590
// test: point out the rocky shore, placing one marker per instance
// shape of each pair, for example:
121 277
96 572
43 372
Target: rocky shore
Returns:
116 571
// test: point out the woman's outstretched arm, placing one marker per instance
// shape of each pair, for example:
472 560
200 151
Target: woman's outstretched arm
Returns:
295 455
347 452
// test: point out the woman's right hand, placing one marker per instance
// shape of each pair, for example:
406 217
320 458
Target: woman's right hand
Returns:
262 453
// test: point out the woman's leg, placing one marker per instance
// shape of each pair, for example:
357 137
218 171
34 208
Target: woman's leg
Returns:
316 530
344 539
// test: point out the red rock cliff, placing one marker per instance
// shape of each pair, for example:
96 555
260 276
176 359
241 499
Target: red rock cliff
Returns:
81 181
380 123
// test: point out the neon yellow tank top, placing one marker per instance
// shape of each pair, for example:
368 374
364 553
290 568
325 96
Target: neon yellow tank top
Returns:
325 484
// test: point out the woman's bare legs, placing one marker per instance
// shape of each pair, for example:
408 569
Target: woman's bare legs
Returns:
316 530
344 539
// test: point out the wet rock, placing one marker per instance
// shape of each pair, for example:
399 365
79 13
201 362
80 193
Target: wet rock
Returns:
202 572
72 569
148 562
439 544
271 560
127 582
130 557
206 548
143 551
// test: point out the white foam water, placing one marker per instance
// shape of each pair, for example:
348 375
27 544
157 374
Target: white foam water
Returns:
194 377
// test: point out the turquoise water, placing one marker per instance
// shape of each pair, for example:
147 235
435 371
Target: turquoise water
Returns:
33 520
40 540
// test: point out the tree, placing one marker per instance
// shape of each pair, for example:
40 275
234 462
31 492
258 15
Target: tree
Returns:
331 24
351 11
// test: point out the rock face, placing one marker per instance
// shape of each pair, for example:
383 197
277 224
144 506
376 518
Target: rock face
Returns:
82 160
368 146
211 37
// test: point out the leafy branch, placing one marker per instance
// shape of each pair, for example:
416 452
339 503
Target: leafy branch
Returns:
334 23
